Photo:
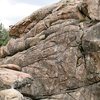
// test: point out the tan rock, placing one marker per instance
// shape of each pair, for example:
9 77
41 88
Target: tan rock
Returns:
13 78
27 23
16 45
11 66
11 94
93 8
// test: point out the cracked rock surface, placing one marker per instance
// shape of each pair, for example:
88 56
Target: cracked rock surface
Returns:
59 50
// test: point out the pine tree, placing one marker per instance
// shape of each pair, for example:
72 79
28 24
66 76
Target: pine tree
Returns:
4 35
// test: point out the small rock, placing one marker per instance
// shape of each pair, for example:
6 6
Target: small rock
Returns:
11 94
15 79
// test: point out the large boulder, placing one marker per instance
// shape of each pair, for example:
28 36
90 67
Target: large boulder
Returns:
61 52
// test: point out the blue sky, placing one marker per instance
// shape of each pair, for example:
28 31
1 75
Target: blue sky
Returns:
12 11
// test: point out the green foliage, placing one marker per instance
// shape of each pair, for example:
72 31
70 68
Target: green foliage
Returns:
4 35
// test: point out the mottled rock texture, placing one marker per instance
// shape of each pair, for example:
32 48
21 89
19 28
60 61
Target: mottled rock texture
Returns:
59 46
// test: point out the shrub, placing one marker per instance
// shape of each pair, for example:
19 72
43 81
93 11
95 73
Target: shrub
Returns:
4 35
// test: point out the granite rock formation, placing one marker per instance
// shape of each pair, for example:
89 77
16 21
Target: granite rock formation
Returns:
59 47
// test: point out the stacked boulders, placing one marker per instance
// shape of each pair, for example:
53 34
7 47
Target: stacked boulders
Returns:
11 77
11 94
59 49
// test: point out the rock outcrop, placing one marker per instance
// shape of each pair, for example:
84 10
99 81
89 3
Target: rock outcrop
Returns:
58 50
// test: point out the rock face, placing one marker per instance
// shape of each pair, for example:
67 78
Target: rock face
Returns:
59 46
93 8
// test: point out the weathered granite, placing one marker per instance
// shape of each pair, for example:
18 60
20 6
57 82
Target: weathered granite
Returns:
61 52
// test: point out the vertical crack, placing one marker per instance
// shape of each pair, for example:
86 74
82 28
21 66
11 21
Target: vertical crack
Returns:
80 47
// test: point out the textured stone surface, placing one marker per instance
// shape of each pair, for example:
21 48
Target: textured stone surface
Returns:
93 8
61 52
91 92
11 94
10 78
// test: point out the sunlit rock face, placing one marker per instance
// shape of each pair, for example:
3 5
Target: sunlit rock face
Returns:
10 78
11 94
94 9
59 49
